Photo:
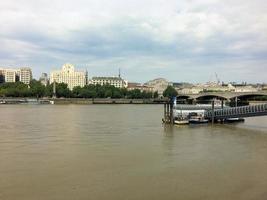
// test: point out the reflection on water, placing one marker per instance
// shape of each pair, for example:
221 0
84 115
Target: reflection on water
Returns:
124 152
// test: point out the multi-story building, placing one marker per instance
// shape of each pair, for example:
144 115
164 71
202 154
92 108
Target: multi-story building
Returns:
139 86
117 82
246 88
25 75
190 90
69 76
11 75
44 79
159 84
2 76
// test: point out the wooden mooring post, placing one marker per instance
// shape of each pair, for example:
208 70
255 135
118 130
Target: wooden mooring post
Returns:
168 113
212 117
165 113
171 113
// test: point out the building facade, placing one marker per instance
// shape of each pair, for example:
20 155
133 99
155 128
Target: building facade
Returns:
69 76
189 90
202 88
8 75
11 75
25 75
139 86
44 79
247 88
117 82
159 85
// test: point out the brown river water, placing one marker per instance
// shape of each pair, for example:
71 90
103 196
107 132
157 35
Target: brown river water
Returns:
123 152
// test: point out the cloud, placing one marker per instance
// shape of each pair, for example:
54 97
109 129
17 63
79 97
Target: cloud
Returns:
181 40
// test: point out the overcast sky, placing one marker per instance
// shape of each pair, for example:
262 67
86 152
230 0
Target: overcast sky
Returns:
180 40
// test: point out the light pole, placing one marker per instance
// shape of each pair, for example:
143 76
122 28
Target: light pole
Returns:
54 90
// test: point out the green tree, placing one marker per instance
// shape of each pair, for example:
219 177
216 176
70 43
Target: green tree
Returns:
147 95
170 92
3 92
92 94
49 90
37 89
108 93
77 92
85 93
117 93
124 92
16 89
91 91
100 91
62 90
134 94
156 94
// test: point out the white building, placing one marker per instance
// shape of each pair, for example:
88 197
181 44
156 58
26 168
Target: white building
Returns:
190 90
139 86
69 76
247 88
159 84
117 82
25 75
10 75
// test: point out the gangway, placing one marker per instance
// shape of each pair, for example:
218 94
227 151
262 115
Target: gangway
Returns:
237 112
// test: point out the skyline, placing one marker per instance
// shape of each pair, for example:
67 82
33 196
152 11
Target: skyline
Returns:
186 41
212 78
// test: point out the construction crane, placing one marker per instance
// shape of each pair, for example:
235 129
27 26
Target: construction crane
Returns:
217 78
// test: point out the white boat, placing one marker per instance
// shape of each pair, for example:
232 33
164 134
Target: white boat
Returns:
198 121
194 118
233 120
181 122
2 102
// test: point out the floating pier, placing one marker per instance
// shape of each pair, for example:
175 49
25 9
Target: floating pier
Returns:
211 113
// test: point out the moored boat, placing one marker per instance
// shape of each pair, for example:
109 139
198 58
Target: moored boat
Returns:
181 122
2 102
198 121
233 120
195 118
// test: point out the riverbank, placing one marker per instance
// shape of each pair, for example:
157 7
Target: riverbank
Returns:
107 101
87 101
83 101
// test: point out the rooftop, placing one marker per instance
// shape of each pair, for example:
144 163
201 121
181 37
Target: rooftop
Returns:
106 78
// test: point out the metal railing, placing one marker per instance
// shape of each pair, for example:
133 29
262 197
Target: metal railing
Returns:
243 111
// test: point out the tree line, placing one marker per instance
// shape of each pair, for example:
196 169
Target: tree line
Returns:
38 90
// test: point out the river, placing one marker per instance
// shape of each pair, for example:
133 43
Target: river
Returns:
123 152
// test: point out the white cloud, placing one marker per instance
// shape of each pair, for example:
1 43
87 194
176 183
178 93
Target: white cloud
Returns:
45 33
